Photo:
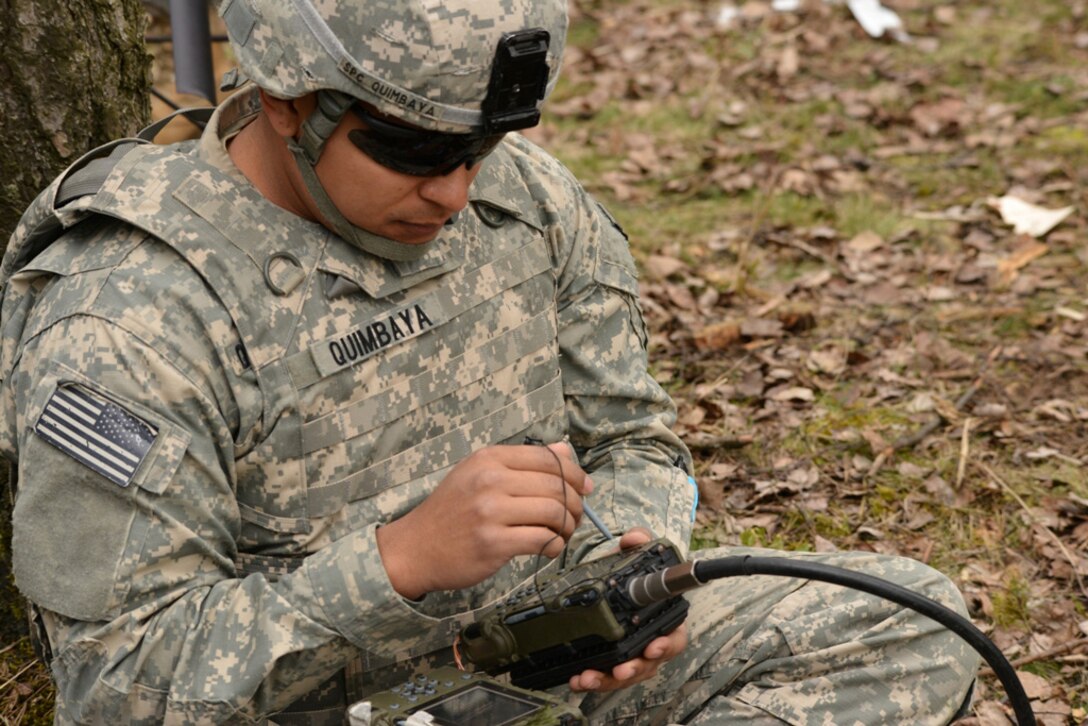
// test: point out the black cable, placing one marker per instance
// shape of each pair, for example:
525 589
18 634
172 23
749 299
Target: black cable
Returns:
563 483
706 570
529 441
170 39
165 99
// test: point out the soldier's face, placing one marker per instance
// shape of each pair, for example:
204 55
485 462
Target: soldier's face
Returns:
405 208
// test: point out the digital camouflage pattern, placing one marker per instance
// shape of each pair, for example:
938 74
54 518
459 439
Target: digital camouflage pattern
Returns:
302 393
426 61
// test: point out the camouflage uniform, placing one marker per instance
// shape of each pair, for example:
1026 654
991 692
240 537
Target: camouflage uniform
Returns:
271 395
301 393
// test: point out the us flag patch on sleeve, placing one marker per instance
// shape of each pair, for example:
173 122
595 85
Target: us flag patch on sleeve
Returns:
96 432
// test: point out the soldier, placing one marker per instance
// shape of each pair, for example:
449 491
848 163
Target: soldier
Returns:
275 401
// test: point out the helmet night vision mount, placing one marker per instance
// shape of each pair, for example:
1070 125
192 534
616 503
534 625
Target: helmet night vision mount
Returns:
519 82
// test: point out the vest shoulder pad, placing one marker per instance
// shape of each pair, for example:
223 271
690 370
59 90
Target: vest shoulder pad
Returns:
62 204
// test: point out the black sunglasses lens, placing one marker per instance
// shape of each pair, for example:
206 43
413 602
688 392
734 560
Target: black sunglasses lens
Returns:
418 152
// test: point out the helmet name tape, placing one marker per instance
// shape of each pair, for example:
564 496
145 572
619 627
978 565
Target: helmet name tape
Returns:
402 99
407 101
350 68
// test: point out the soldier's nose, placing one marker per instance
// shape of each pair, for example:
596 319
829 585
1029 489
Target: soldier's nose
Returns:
450 191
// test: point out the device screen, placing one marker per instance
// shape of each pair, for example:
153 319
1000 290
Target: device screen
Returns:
480 705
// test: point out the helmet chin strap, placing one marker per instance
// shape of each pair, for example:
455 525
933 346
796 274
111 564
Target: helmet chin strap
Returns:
316 130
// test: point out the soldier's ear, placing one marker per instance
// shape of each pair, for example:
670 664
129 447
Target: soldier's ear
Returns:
287 114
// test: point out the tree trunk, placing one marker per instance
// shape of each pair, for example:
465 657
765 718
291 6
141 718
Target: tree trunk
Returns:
73 74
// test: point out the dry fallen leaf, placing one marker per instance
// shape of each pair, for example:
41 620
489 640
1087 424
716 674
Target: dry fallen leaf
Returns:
795 393
761 328
832 362
1028 218
878 20
660 267
865 242
789 63
718 336
1036 687
933 119
991 713
1025 253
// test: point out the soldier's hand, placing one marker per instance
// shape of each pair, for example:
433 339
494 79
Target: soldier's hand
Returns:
658 652
499 502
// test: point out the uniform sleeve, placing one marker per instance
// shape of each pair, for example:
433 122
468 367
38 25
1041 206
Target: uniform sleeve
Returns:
124 530
619 417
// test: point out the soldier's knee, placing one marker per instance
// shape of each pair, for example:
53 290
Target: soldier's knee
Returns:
931 583
958 655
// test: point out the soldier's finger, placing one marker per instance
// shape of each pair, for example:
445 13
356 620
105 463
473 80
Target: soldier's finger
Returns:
667 646
529 540
550 460
635 536
541 512
624 675
543 486
587 681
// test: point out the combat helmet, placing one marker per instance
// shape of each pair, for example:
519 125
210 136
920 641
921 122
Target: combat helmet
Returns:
472 68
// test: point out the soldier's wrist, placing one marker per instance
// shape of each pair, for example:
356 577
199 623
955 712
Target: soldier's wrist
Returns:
399 564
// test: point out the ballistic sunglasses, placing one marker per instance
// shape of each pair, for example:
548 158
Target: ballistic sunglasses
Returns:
415 151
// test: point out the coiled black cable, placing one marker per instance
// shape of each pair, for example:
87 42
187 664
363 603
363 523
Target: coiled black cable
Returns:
706 570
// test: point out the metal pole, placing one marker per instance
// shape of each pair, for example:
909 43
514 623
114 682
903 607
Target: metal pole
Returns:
192 48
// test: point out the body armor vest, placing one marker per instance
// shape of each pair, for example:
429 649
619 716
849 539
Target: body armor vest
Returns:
371 379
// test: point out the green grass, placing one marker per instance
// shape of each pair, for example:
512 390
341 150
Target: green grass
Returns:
939 181
835 416
1011 606
1053 98
662 221
581 34
1020 325
759 537
856 213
